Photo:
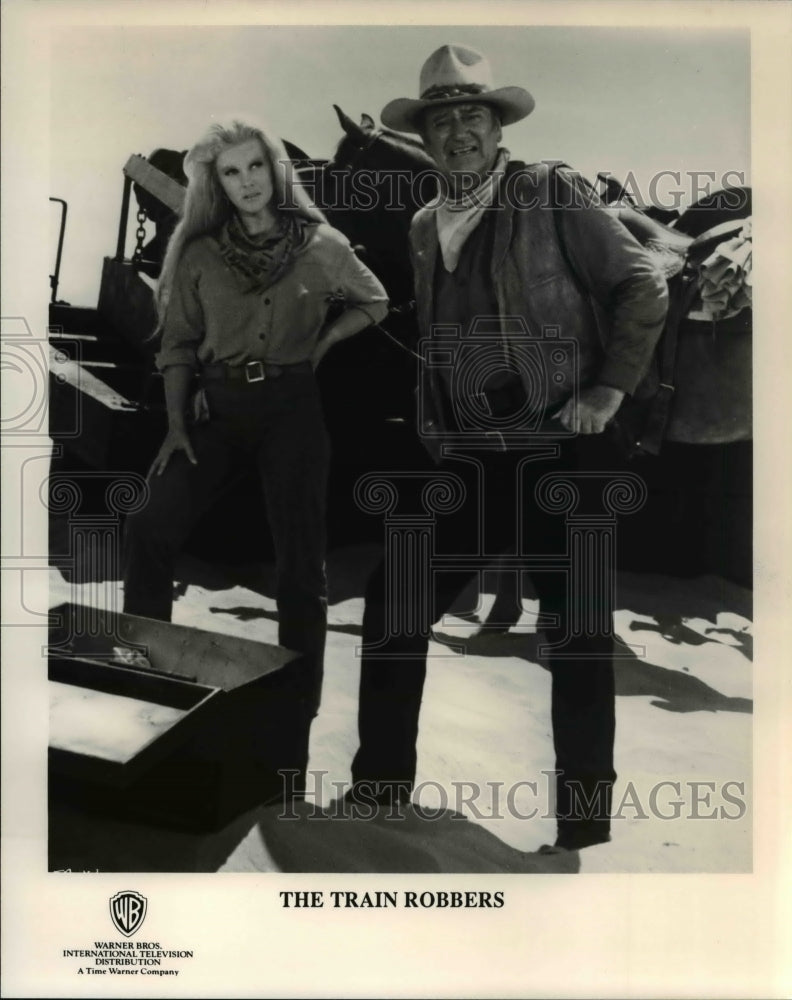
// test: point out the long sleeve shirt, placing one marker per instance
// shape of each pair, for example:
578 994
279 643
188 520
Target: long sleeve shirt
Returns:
210 319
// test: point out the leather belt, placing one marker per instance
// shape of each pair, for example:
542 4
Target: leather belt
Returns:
253 371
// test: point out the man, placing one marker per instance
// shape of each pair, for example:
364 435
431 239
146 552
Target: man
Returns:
493 251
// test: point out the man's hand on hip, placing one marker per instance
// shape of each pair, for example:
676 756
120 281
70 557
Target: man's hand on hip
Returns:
596 407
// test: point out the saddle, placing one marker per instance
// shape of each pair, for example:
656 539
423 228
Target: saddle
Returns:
653 413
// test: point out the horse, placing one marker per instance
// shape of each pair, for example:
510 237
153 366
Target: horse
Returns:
371 188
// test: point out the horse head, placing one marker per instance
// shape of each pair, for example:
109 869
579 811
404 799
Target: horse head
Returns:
365 146
373 185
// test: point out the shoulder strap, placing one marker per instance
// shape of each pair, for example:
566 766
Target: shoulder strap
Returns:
682 290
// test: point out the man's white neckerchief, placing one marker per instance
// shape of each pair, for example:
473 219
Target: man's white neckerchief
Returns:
457 218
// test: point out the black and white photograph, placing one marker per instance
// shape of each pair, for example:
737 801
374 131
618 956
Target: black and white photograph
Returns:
383 519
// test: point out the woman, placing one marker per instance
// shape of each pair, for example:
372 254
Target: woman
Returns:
243 299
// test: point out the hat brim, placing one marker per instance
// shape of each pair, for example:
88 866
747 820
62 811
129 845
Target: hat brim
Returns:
513 104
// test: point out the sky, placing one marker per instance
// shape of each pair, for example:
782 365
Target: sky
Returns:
631 101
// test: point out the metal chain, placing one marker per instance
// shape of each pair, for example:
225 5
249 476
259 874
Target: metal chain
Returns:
140 235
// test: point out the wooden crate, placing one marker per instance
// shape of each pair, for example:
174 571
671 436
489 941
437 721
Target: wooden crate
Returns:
191 741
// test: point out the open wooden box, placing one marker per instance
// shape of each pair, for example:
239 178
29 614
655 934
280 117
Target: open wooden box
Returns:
190 736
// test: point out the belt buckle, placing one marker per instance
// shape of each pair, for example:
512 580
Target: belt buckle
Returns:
254 371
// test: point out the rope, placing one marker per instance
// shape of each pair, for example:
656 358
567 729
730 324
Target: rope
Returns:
399 311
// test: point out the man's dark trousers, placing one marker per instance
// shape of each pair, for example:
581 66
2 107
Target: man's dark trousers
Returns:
583 696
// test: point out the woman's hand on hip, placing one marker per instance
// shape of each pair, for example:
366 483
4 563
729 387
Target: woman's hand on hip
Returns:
177 439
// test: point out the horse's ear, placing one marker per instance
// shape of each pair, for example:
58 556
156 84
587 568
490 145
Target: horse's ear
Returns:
367 123
294 152
351 129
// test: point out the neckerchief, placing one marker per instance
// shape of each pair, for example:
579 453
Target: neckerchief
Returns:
457 218
262 259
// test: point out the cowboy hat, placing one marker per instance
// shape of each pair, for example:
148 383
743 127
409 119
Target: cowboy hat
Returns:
456 74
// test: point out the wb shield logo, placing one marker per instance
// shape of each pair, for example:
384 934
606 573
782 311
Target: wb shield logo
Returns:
128 910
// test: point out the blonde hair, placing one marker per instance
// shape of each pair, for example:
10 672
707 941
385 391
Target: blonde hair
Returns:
207 208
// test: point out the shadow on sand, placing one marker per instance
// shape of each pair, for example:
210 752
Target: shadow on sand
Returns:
669 601
408 840
674 690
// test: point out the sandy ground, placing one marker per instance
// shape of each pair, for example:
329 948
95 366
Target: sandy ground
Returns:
683 746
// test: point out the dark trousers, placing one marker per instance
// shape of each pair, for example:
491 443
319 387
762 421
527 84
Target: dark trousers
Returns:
278 426
583 696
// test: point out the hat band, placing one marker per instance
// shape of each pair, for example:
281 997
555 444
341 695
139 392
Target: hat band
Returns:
461 90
